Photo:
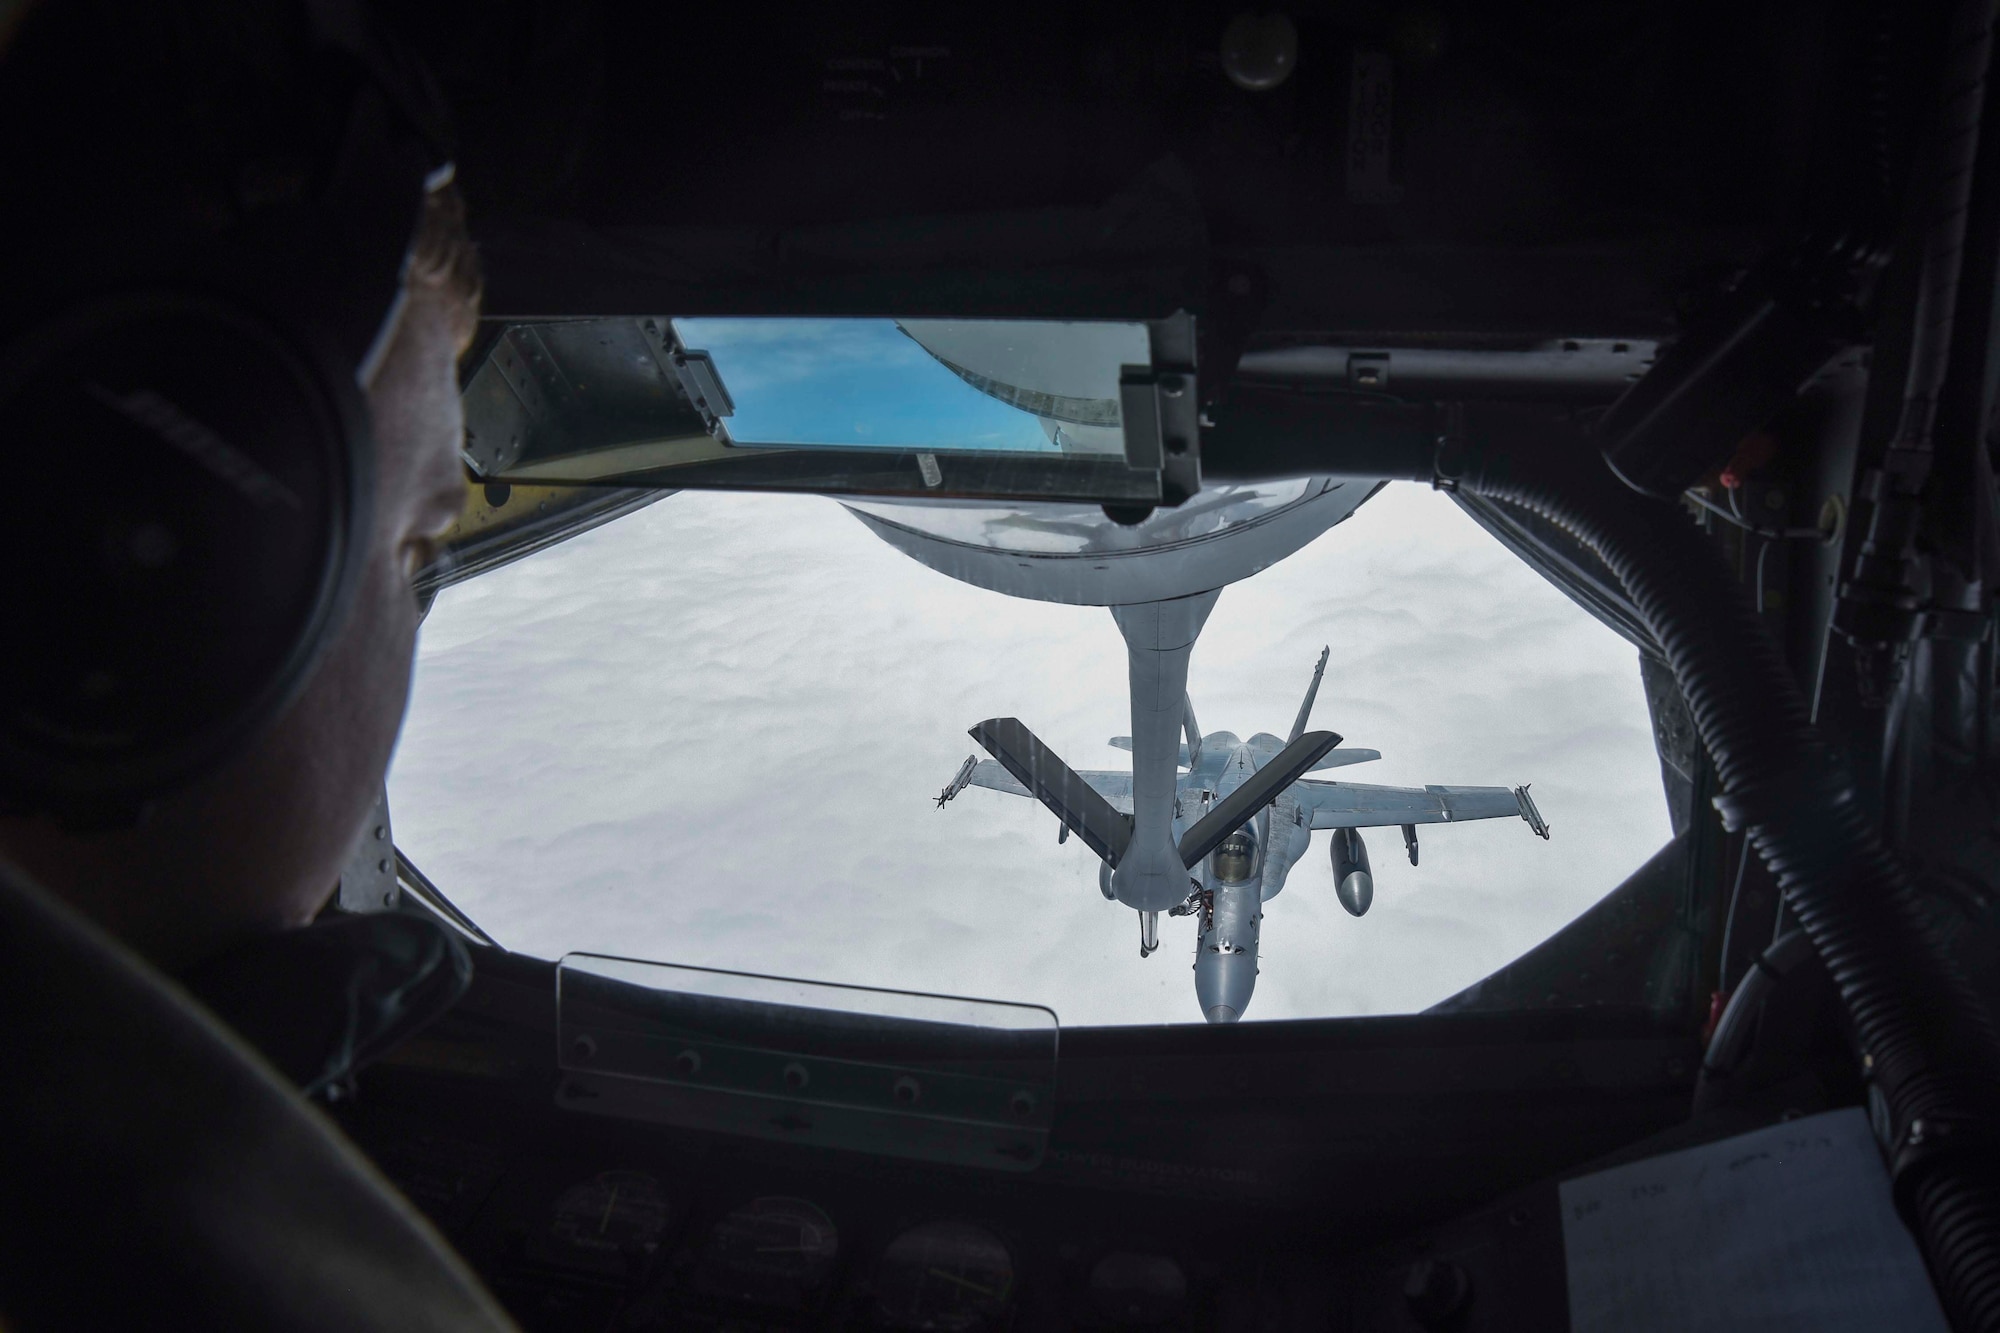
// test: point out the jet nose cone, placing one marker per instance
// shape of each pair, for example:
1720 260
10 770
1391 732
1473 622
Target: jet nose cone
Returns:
1356 892
1221 1013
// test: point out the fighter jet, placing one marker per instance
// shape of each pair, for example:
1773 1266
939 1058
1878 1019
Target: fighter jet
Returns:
1230 818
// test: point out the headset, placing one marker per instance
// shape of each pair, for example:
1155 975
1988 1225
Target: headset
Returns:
186 505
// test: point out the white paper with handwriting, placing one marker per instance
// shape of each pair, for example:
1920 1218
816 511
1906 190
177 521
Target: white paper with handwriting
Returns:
1789 1227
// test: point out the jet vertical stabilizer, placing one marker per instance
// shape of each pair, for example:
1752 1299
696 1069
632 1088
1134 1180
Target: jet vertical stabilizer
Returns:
1312 693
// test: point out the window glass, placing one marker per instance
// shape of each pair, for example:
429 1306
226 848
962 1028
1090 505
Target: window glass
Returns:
712 733
941 385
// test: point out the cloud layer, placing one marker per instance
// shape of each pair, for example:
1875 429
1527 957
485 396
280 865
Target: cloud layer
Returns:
709 733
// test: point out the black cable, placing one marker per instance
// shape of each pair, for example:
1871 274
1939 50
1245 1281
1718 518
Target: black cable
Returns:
1729 921
1928 1043
1769 534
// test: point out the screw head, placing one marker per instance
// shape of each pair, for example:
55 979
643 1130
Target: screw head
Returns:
688 1063
1259 51
796 1077
583 1046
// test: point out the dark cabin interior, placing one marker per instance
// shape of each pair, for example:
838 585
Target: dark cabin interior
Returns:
1486 247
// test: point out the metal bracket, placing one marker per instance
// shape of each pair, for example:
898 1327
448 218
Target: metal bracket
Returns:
699 379
368 883
514 359
1368 371
1139 413
1176 407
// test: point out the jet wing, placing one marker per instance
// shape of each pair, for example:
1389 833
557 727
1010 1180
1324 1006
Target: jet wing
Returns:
1358 805
1331 759
1113 787
988 773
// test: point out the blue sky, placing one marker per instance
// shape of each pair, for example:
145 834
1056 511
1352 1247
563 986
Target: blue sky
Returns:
709 733
851 383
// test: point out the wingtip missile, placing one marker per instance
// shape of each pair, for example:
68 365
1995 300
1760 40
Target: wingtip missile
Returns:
959 781
1530 813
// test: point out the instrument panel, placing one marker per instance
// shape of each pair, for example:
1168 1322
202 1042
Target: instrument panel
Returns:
633 1248
1273 1177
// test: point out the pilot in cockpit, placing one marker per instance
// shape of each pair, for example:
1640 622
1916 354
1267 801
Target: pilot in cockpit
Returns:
1235 858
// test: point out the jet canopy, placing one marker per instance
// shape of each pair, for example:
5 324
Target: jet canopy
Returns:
1235 859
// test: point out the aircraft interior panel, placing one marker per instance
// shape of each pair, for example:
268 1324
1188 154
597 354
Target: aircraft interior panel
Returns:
1302 1178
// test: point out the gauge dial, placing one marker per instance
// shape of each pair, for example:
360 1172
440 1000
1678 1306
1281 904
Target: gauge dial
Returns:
1133 1290
950 1276
771 1252
616 1212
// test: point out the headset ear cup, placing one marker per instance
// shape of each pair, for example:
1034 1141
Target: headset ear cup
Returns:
190 493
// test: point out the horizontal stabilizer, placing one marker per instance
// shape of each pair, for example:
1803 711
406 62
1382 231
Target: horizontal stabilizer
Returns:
1342 758
1332 758
1279 772
1056 785
1125 743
